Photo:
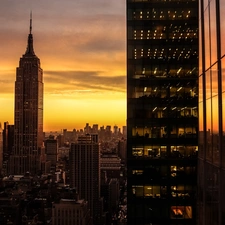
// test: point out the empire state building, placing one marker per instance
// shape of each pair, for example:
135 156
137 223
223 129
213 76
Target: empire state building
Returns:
28 117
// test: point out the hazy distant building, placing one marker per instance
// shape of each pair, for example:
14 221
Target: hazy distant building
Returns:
108 132
85 170
69 136
95 128
70 211
124 131
87 129
115 129
28 117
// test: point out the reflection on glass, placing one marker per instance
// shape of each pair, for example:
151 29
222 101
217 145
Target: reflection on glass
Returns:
181 212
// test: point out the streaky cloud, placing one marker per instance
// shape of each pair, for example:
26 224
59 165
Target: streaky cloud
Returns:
84 80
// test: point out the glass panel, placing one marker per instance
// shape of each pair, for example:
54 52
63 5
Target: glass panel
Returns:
207 39
149 191
206 2
181 212
201 133
215 120
209 129
200 89
223 105
181 191
222 26
213 34
149 151
200 48
208 84
183 151
223 72
214 74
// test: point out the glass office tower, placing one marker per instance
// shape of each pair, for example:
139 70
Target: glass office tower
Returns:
162 111
211 165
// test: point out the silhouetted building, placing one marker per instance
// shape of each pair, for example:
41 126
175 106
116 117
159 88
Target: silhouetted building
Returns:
162 111
211 164
95 128
85 170
122 149
114 194
8 140
69 136
10 211
70 211
28 136
51 151
125 131
110 191
111 164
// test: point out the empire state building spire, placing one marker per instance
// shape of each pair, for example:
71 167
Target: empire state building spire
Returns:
30 48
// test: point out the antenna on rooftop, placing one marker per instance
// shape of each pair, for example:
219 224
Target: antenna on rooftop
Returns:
30 22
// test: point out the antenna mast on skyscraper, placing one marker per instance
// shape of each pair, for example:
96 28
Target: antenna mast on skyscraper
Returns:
30 22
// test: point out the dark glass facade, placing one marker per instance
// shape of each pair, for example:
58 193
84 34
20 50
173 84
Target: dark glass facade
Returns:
211 164
162 111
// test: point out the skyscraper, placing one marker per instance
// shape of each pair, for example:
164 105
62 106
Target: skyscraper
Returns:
85 170
51 150
162 111
211 164
28 117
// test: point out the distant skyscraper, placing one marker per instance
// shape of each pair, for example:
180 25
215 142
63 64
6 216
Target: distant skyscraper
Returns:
85 170
28 118
162 111
95 128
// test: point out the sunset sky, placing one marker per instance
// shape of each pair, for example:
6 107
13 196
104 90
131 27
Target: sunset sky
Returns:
81 45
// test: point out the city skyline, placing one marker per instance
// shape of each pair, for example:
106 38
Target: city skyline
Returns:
83 60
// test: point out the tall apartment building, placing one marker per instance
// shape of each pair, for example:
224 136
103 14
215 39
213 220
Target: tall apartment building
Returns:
211 164
85 170
162 111
28 117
